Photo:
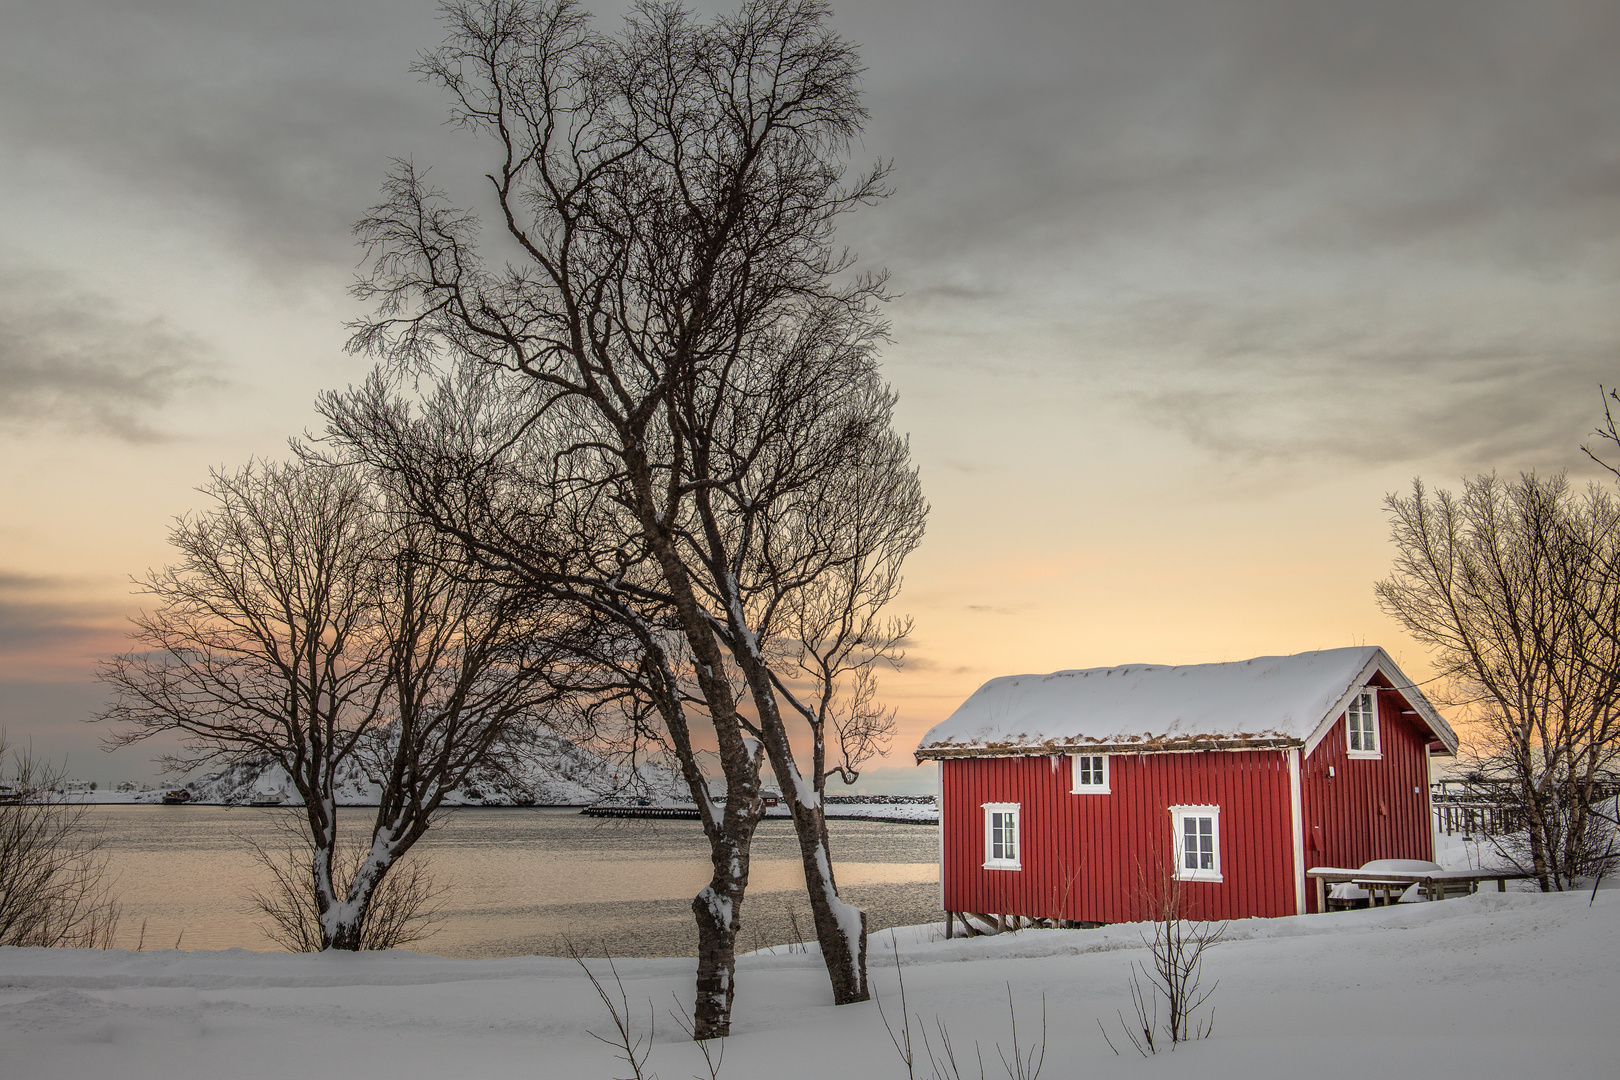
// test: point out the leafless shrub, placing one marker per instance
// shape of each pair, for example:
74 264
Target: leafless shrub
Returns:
1023 1064
405 908
1587 830
1060 897
1176 947
1588 848
54 888
902 1038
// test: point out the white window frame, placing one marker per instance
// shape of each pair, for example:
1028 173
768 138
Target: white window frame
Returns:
1178 816
1076 787
1369 694
991 809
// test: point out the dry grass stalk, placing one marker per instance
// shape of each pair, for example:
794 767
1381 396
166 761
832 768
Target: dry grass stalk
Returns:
1019 1063
634 1049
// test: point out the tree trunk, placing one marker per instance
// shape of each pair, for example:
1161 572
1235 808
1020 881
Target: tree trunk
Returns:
1538 843
841 931
718 909
840 926
348 930
347 935
345 927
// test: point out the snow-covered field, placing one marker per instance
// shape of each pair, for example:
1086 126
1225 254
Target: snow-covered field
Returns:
1497 985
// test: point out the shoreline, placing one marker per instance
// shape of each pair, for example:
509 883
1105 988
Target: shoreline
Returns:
907 811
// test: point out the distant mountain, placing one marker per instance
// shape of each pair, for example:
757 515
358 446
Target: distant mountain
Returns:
557 773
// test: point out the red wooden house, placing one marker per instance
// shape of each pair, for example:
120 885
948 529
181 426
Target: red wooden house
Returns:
1061 794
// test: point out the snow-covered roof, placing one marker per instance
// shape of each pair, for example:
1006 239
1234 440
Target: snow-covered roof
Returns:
1268 701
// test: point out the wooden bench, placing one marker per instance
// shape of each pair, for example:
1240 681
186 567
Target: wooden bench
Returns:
1437 884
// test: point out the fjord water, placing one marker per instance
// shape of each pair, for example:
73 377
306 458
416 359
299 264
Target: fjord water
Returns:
518 881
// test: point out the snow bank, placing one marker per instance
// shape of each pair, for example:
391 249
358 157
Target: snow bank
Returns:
1495 985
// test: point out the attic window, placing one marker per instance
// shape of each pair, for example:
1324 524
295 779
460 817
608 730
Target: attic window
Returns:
1001 837
1090 774
1361 723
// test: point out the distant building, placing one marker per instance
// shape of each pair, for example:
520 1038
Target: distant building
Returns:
1062 795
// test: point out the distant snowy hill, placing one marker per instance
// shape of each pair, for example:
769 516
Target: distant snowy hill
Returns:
557 773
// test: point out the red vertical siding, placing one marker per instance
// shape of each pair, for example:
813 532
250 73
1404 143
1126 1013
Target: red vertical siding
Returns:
1085 856
1370 808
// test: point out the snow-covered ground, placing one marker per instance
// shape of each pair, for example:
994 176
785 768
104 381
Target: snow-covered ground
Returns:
1496 985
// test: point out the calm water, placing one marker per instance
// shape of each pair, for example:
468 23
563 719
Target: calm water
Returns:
520 881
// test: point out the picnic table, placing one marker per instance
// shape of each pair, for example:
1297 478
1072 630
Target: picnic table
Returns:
1437 884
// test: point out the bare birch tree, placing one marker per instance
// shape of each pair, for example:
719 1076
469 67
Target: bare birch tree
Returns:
309 624
679 317
1513 585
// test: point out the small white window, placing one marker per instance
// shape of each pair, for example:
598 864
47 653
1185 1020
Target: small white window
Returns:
1361 721
1001 846
1090 774
1197 836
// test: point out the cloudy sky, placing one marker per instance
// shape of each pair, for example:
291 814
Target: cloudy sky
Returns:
1187 289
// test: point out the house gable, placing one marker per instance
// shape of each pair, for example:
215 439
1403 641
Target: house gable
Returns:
1381 671
1359 808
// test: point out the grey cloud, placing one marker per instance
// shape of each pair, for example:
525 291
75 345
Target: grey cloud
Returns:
31 626
72 359
915 662
269 124
1377 386
14 582
1059 165
35 615
1246 217
1063 125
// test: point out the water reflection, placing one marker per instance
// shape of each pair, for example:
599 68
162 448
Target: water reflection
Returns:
521 881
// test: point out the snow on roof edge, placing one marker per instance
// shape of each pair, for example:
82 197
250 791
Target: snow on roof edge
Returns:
1266 702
